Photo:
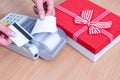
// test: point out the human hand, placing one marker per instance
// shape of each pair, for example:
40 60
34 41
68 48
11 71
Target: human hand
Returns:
4 33
44 7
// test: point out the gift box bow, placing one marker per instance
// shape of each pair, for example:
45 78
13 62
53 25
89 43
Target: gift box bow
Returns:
94 26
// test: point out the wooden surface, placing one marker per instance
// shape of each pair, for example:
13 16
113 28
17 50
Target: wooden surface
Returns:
68 64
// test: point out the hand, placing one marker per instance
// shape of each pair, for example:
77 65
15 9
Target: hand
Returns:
4 33
44 7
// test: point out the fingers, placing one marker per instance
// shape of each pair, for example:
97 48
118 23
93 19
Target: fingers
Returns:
33 1
50 8
39 5
44 7
4 33
6 30
4 41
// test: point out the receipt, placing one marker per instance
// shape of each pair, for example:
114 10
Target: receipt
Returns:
46 25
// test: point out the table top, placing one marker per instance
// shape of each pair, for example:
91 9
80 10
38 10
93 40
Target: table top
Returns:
69 64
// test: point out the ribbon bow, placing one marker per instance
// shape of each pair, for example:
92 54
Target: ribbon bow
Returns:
94 27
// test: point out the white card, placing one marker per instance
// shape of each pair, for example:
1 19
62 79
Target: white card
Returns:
22 36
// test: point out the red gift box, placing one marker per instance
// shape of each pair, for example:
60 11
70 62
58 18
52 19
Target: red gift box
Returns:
93 45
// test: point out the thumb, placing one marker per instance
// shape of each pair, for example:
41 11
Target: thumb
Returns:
6 30
41 12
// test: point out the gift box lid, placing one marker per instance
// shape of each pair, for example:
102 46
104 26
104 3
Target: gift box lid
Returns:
93 42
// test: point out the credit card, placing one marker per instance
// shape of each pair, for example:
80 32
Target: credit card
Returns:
22 36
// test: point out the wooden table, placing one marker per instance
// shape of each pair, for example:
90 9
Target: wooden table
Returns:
68 64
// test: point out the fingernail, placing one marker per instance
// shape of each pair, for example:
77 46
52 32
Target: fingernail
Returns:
42 16
12 34
35 9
